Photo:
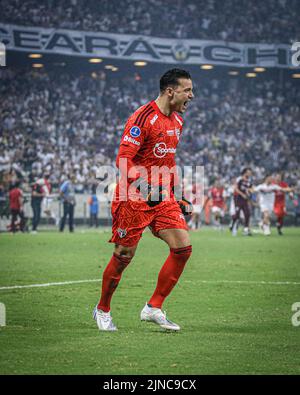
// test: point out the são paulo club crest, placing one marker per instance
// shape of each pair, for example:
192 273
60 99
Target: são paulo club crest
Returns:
135 131
180 51
122 233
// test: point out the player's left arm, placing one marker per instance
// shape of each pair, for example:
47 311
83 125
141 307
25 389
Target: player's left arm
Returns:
288 189
283 189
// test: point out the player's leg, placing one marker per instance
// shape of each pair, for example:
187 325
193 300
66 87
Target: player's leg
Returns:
266 223
34 215
235 220
246 212
127 228
38 218
113 273
279 224
218 214
222 215
280 213
215 214
71 217
179 243
170 226
22 220
180 250
110 281
14 217
64 217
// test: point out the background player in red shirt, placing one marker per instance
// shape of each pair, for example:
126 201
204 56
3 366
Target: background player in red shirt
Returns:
142 197
16 207
217 195
279 203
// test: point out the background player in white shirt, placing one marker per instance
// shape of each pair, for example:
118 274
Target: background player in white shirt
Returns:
266 200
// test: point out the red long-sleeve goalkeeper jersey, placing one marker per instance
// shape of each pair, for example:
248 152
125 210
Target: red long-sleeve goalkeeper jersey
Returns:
150 140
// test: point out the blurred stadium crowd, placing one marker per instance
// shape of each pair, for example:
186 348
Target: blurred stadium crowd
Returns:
67 124
270 21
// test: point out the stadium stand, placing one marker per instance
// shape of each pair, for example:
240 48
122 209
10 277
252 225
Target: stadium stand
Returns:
65 123
266 21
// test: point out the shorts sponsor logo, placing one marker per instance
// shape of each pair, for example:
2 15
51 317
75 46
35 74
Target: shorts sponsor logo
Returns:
122 233
131 140
160 150
135 131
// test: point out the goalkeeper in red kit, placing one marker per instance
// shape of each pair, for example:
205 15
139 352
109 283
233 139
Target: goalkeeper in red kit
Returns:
144 197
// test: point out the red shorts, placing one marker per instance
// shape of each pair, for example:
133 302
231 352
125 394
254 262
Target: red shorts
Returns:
131 218
279 210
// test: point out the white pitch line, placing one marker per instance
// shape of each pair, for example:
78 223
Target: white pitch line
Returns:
187 281
49 284
244 282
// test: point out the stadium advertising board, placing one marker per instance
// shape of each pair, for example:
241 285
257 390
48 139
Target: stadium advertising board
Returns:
136 47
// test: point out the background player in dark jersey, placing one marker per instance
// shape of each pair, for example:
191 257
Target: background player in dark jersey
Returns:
150 139
242 193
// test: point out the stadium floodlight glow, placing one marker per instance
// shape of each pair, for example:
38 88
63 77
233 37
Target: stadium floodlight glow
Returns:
207 66
37 65
259 69
233 72
109 67
297 75
35 55
115 69
95 60
251 75
140 63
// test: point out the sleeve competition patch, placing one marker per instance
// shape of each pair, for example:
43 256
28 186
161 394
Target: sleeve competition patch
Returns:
135 131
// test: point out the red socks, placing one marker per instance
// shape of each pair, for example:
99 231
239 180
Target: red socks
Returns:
167 278
169 274
110 280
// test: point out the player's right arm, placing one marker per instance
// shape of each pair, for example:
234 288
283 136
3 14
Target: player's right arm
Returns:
131 142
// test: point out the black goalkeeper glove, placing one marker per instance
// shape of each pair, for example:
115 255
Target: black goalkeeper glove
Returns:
152 195
186 206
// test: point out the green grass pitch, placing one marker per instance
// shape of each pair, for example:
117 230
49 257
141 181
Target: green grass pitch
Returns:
232 303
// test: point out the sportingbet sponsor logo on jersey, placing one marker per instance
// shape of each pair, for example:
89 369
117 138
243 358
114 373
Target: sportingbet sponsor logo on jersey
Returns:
131 140
160 150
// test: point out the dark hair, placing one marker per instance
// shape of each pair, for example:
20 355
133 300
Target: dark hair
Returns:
14 185
171 77
244 171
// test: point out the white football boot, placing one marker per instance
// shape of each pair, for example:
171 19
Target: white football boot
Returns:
153 314
104 320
